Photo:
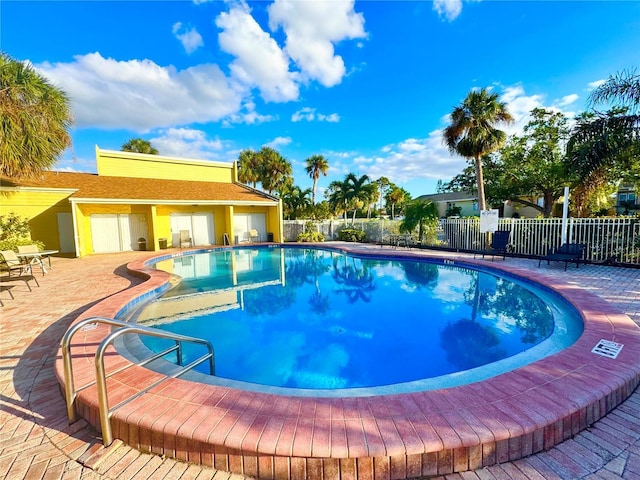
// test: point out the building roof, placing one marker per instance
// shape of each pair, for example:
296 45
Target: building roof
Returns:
90 186
449 197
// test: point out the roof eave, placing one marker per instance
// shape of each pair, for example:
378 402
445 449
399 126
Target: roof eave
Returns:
158 201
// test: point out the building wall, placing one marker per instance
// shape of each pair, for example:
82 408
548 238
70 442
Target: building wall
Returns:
126 164
83 218
41 208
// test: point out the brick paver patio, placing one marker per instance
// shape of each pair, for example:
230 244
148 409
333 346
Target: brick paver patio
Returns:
37 442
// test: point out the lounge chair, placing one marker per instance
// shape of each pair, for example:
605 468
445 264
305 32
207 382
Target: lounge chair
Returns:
24 278
254 236
185 239
499 245
13 264
568 252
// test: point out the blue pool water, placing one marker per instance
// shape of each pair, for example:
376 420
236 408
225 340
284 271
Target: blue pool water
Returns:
314 319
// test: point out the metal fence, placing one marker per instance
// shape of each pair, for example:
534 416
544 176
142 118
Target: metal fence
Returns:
606 239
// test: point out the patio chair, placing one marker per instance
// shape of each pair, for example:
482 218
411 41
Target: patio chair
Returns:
499 245
568 252
185 239
37 260
13 264
254 236
23 278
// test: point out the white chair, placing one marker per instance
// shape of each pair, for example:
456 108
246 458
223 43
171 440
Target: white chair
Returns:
185 239
254 235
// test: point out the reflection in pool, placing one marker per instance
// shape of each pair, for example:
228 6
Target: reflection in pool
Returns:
319 319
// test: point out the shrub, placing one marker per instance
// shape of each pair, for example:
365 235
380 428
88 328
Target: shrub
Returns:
351 235
310 237
15 231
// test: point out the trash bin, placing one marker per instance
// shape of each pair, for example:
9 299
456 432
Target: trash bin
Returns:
269 237
142 244
163 243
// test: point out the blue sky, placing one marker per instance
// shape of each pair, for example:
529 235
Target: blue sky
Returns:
369 85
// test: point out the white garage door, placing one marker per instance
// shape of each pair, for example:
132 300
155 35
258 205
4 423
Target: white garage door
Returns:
117 232
200 226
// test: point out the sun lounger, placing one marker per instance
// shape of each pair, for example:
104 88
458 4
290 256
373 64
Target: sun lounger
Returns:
23 278
499 245
11 263
568 252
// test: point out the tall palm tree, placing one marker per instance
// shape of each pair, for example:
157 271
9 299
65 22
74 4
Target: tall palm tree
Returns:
383 185
396 196
249 167
34 120
316 165
472 133
277 172
139 145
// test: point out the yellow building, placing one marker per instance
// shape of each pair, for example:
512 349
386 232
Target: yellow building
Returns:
139 201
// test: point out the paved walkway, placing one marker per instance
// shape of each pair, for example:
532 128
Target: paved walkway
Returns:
36 441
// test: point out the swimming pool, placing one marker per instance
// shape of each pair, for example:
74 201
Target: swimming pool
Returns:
393 435
310 321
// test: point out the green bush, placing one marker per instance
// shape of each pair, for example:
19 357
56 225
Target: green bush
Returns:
310 237
351 235
15 231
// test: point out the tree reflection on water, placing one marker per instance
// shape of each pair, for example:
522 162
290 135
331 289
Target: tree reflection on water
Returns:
476 341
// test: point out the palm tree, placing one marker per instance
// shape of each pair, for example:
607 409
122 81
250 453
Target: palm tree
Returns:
316 165
295 201
139 145
417 214
472 133
383 185
337 196
623 88
277 173
249 167
34 120
396 196
359 191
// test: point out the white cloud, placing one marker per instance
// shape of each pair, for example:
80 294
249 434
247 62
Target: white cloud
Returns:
595 84
188 143
190 38
309 114
312 29
248 115
449 9
332 118
140 95
259 60
519 105
567 100
278 141
412 159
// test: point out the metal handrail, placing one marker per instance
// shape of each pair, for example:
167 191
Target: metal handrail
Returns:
101 381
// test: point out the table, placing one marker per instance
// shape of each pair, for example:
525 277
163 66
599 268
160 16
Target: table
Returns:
36 258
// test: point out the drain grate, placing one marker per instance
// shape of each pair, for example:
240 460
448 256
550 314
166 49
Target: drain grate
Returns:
607 348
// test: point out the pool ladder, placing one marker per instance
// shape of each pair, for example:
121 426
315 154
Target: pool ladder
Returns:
105 412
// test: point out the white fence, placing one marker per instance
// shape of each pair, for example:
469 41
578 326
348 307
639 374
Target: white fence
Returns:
607 239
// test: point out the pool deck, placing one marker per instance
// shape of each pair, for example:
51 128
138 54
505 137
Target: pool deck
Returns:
36 440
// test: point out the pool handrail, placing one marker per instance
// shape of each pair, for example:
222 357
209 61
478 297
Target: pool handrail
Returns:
124 328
